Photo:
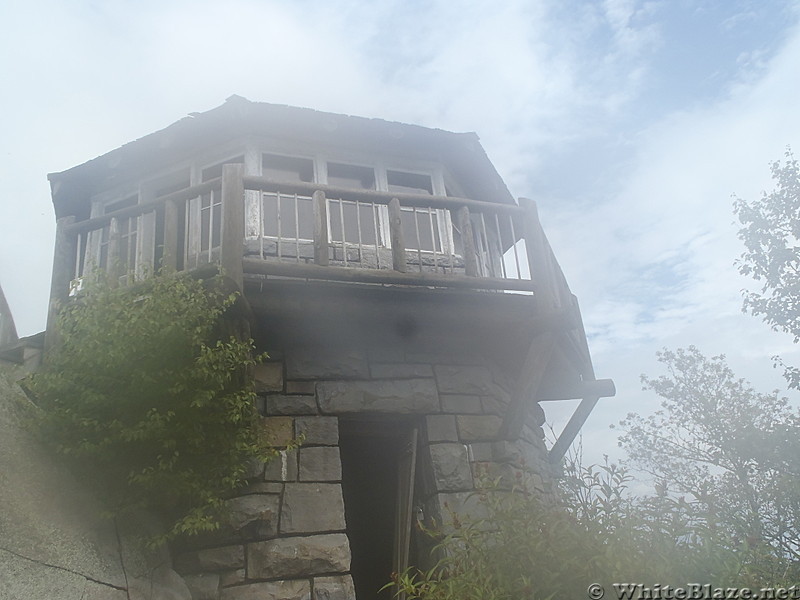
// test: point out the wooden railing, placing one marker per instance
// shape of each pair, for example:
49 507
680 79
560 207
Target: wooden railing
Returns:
253 226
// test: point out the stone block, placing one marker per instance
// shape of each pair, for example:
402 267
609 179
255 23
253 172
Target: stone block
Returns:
451 470
312 507
320 463
283 404
441 428
478 428
301 387
204 586
461 403
458 379
254 469
334 588
385 354
335 365
400 371
322 431
161 582
535 414
298 556
506 475
252 516
507 452
533 435
262 487
464 504
277 431
229 578
268 377
283 467
399 396
298 589
211 559
480 451
493 405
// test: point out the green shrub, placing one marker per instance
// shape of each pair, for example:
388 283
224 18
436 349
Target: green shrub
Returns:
147 394
516 545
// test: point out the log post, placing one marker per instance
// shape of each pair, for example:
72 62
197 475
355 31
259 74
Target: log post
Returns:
397 237
169 259
64 255
114 266
232 244
468 239
538 252
320 208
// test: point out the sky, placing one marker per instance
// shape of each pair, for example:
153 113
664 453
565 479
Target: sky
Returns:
630 122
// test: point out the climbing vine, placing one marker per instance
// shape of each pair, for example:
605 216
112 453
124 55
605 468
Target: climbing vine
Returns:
147 395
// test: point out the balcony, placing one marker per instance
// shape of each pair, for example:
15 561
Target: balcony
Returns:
255 228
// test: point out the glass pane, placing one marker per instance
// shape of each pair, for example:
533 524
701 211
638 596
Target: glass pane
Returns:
287 168
216 170
409 183
351 176
422 227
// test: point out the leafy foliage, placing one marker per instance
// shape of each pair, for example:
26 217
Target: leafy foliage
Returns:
734 451
771 235
516 545
147 394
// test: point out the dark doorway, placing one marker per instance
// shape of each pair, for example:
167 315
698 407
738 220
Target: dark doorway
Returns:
375 479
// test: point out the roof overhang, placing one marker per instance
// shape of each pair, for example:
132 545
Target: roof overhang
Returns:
461 153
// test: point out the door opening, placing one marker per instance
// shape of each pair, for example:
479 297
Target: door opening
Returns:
378 472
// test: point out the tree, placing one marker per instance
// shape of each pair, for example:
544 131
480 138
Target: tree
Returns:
771 235
732 449
147 394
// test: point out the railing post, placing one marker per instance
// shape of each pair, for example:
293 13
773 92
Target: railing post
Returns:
396 233
169 258
538 256
64 254
468 239
232 244
320 209
113 263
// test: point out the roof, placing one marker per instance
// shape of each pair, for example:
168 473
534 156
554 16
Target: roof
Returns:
238 117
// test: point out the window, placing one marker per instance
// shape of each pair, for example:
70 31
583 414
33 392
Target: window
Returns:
127 232
287 215
287 168
362 221
409 183
351 176
204 218
215 171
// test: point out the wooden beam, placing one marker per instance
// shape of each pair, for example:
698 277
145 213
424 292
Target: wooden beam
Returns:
601 388
320 208
114 266
530 378
397 236
570 432
169 259
381 276
140 209
538 251
265 184
468 239
232 243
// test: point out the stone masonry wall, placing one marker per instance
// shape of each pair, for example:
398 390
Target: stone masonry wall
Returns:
285 535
